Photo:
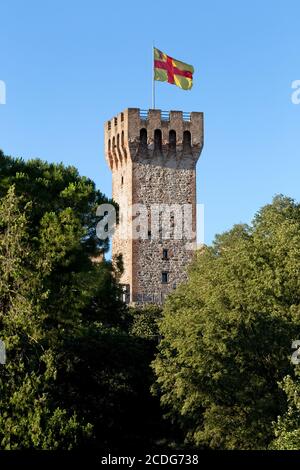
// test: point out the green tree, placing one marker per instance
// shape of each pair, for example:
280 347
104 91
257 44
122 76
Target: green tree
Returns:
144 321
28 416
53 188
74 377
287 427
227 333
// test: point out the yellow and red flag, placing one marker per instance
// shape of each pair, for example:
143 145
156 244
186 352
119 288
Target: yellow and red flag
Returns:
167 69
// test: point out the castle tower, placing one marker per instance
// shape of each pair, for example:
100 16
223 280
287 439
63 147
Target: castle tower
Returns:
152 156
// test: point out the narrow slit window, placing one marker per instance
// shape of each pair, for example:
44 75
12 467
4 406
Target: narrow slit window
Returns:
143 141
157 140
172 141
187 143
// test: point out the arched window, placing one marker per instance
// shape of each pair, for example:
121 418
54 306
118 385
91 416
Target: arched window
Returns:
157 140
187 143
172 141
143 140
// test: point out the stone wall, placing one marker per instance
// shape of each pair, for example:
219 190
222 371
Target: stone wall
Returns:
154 185
153 156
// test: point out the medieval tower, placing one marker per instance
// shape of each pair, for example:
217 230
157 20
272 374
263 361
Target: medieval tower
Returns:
152 156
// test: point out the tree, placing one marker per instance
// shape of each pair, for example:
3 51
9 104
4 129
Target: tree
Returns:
287 427
144 322
28 416
75 377
53 188
227 333
49 290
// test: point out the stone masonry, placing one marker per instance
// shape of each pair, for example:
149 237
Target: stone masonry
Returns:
153 156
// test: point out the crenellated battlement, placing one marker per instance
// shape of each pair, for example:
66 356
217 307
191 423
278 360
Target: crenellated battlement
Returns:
169 139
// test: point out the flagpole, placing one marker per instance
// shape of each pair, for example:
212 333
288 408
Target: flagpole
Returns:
153 81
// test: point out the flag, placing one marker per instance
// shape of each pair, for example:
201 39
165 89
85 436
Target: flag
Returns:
167 69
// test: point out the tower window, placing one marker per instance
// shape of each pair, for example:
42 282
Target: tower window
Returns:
164 277
143 141
116 121
122 179
187 143
109 125
165 254
157 140
172 141
122 117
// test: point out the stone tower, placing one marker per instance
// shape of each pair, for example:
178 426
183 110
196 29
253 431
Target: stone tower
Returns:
152 156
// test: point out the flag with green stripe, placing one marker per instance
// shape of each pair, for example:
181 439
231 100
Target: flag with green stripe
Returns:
167 69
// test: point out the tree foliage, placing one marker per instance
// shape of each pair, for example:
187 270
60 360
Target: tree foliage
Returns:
78 369
74 375
54 191
28 416
227 333
287 426
144 321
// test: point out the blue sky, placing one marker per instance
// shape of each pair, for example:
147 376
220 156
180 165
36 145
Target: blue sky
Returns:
71 65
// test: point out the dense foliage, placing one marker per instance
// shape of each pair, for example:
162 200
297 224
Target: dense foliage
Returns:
74 375
78 371
228 333
287 428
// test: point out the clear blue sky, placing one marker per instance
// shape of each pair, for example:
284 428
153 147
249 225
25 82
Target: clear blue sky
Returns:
71 65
